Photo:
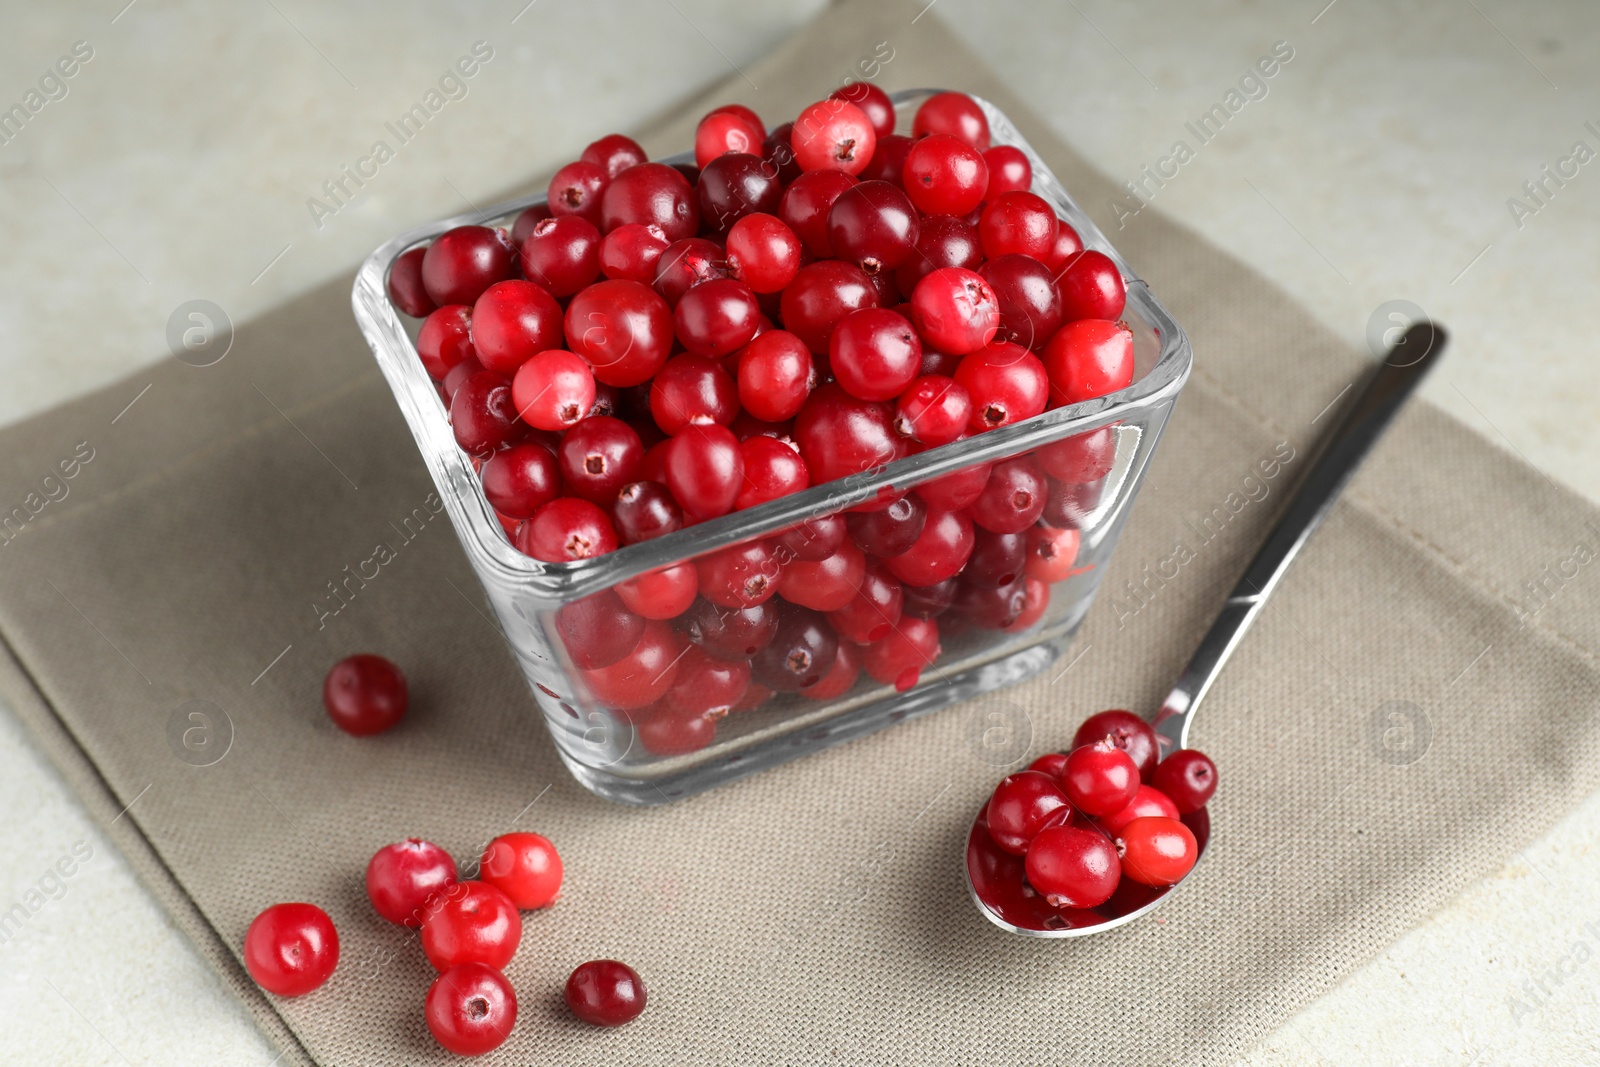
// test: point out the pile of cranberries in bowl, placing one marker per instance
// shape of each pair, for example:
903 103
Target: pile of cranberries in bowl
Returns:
1089 835
661 345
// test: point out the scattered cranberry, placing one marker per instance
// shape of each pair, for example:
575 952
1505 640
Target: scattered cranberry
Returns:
472 923
291 949
405 877
405 284
605 993
1188 777
1156 850
471 1009
364 695
523 866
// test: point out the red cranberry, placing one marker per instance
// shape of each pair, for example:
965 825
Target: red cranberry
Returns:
891 530
945 241
575 191
841 677
644 510
1157 851
614 153
800 653
706 686
1081 458
1007 384
662 733
1051 554
813 539
458 374
901 657
733 186
405 284
567 529
873 225
958 489
404 877
1009 171
662 594
1147 801
1020 222
641 677
727 131
622 329
945 176
1066 248
1050 763
483 416
562 254
805 206
1073 867
717 317
740 576
523 866
1022 805
473 923
1089 358
939 553
993 607
687 263
1030 303
1188 777
598 457
291 949
1070 507
1092 287
997 558
526 220
929 601
730 633
605 993
598 630
692 389
631 252
872 612
512 321
463 262
520 480
445 340
827 584
934 410
776 375
873 102
364 695
888 162
1128 732
821 294
955 310
704 470
840 435
763 252
553 390
1100 778
651 193
833 135
771 469
1013 498
956 114
874 353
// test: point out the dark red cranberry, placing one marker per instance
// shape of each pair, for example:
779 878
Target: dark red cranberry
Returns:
1030 303
833 135
1020 222
805 206
605 993
567 529
364 694
598 457
483 416
513 321
1013 499
821 294
1128 732
873 102
598 630
1009 170
1092 287
813 539
460 373
731 633
1188 778
575 191
1007 384
651 193
800 653
685 264
526 220
779 153
520 480
840 435
874 353
631 252
997 558
993 607
735 185
716 318
945 241
614 153
1069 506
956 114
463 262
939 553
874 610
1081 458
1068 245
891 530
621 329
929 601
692 389
873 225
445 340
405 284
944 175
644 510
562 254
889 161
704 470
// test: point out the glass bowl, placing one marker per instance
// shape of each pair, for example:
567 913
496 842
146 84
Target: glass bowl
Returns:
1104 445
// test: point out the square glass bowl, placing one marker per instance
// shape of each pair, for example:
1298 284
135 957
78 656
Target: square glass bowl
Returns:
1102 446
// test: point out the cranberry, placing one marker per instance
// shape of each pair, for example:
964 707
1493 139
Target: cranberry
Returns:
821 294
945 176
364 694
512 321
955 310
929 601
403 878
873 225
644 510
1147 801
1019 222
1009 171
483 416
956 114
739 576
653 468
888 162
692 390
672 734
520 480
1157 851
1007 384
445 340
900 658
733 186
1073 867
562 254
944 242
826 584
730 633
1067 246
1050 763
523 866
772 469
993 607
806 204
800 653
405 284
291 949
1188 777
776 374
1022 805
651 193
598 630
1051 553
706 686
873 611
1092 287
813 539
763 252
891 530
778 151
704 470
685 264
873 102
1030 303
833 135
1100 778
525 222
997 558
1013 499
471 1009
622 329
1070 507
605 993
553 390
575 191
727 131
1128 732
958 489
614 153
640 678
934 410
717 317
939 553
631 252
567 529
874 353
1036 600
463 262
1082 458
473 923
1089 358
840 435
458 374
841 677
663 594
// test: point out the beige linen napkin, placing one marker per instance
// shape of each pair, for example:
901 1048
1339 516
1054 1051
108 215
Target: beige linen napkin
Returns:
1417 704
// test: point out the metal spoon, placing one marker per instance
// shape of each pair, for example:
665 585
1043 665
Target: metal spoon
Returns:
994 877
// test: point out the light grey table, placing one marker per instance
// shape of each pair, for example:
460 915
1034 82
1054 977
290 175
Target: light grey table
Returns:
1385 161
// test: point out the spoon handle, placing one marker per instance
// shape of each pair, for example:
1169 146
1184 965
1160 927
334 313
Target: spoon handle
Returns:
1368 415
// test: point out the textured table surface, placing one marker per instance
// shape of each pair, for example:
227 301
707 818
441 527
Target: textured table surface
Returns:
1385 161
